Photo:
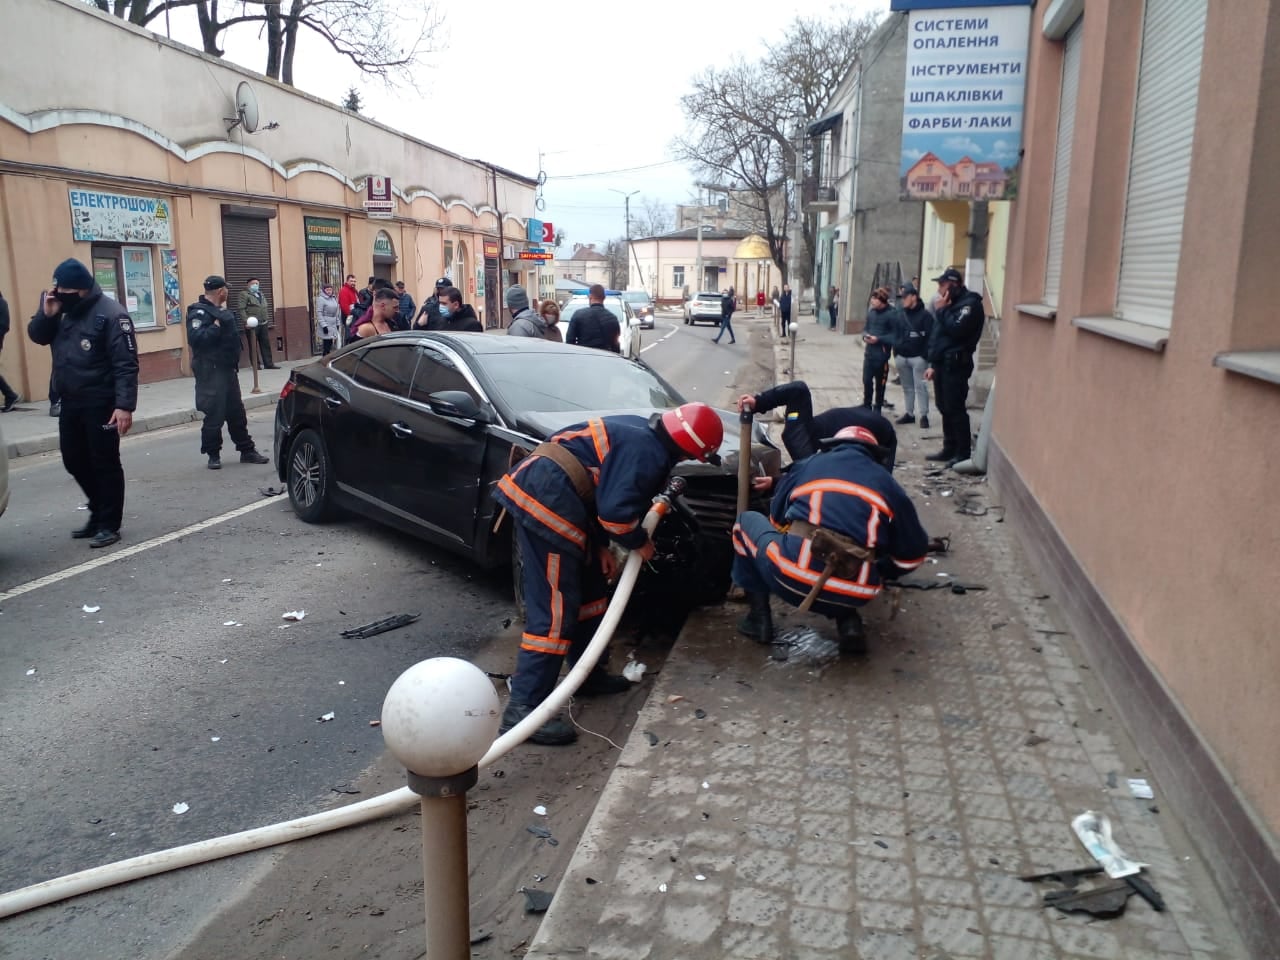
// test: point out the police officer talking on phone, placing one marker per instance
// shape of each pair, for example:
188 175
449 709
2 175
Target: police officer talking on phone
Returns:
957 328
95 369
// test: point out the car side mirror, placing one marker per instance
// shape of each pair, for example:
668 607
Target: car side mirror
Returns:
457 404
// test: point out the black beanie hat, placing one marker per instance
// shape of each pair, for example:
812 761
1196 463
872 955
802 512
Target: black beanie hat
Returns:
73 275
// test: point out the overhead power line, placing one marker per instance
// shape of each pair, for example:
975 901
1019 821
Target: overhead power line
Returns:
609 173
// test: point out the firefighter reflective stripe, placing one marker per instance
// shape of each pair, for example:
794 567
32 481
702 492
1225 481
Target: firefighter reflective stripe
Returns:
547 517
559 646
742 543
601 438
849 588
596 608
618 528
846 488
907 564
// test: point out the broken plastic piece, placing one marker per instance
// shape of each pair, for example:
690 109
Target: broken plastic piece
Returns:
1094 831
699 876
700 714
1141 789
180 808
367 630
1102 902
214 739
537 831
662 888
651 737
31 672
540 810
674 698
375 723
294 615
536 901
88 609
325 718
634 670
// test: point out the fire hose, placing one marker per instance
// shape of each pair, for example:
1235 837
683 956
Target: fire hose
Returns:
259 838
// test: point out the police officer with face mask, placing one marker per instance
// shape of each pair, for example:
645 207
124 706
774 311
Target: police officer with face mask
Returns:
215 355
95 370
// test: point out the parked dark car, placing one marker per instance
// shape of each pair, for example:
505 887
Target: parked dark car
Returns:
414 429
642 304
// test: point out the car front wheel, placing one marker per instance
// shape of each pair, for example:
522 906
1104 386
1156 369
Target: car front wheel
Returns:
309 477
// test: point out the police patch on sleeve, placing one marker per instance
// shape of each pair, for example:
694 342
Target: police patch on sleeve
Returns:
125 325
196 322
964 312
85 344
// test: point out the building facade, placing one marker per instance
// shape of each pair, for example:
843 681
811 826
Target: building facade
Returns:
865 235
583 264
155 180
1139 389
668 265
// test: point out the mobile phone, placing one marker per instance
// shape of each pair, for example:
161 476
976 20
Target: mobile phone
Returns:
108 426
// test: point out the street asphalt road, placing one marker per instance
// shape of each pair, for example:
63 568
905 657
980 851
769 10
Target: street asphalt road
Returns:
169 676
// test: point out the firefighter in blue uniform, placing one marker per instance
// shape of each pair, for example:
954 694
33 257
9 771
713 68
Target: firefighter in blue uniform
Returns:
587 485
839 525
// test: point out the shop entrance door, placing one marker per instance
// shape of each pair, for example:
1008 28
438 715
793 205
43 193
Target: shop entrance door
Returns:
323 267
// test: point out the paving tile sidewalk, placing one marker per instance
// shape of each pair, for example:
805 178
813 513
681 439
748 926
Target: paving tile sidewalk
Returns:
880 808
29 429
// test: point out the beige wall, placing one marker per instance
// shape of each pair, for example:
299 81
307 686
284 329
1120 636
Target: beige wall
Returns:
1155 466
159 133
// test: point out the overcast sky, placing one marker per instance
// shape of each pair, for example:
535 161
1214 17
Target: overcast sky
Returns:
595 86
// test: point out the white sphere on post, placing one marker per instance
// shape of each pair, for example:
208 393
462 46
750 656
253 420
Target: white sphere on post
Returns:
440 716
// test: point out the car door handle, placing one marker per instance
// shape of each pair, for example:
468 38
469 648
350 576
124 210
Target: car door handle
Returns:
400 430
332 402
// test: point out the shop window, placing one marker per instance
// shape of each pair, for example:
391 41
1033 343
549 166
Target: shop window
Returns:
127 274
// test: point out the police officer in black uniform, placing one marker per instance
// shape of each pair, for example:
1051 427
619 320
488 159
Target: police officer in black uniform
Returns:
957 328
95 370
215 355
595 326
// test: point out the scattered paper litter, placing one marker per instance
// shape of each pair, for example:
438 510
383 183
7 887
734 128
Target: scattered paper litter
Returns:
662 888
228 623
31 672
214 739
88 609
226 579
342 683
1141 789
222 661
946 493
943 574
83 506
326 718
294 615
634 670
540 810
1093 830
180 808
699 877
705 785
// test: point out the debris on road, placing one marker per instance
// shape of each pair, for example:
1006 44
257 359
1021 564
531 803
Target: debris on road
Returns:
651 737
1141 789
271 491
662 888
180 808
31 672
344 788
1093 830
367 630
1034 740
325 718
700 714
536 901
634 670
88 609
293 615
540 810
375 723
540 832
214 739
674 698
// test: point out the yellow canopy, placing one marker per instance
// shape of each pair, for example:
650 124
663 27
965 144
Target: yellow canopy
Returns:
754 247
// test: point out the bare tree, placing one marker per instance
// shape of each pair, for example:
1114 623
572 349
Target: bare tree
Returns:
746 120
381 37
616 262
651 218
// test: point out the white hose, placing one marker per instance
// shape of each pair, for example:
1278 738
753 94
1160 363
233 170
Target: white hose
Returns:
202 851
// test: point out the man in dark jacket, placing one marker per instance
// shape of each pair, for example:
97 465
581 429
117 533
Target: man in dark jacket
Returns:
802 429
10 395
784 310
254 305
728 304
215 355
458 317
407 306
956 332
429 317
595 326
95 368
915 323
878 337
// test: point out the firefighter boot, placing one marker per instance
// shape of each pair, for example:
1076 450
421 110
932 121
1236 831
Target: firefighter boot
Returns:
758 623
554 733
852 636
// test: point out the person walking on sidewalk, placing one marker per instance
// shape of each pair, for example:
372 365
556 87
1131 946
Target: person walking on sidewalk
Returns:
839 525
95 368
802 430
328 318
215 359
784 310
10 395
833 305
728 303
253 303
590 483
957 328
914 325
879 334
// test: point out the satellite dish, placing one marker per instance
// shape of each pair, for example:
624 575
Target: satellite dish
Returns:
247 107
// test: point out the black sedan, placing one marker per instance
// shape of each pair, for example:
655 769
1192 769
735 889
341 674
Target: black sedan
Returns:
414 429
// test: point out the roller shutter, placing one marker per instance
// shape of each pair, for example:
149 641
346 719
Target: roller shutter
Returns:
1160 159
246 252
1062 161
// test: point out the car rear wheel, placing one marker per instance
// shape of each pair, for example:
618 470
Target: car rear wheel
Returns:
309 477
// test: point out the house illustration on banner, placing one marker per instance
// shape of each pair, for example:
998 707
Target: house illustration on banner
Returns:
929 178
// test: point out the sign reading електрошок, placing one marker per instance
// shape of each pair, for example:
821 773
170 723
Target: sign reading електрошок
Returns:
962 106
119 218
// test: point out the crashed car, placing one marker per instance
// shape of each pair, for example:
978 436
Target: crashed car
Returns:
414 429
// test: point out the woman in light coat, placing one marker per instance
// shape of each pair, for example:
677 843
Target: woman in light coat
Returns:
328 318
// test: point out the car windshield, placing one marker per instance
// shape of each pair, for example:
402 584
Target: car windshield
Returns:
561 382
636 296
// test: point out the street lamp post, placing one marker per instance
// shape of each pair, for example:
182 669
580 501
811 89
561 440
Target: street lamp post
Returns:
438 719
626 199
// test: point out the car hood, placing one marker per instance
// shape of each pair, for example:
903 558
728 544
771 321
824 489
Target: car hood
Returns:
543 425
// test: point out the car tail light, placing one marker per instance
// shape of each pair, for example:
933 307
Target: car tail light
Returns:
288 388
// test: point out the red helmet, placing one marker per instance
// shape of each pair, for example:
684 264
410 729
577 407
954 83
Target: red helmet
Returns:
856 434
695 428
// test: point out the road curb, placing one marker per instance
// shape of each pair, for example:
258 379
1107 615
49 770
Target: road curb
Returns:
49 441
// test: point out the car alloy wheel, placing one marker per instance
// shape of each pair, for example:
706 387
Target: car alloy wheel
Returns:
309 477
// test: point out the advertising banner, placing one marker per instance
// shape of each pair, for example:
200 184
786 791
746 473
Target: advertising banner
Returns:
962 106
119 218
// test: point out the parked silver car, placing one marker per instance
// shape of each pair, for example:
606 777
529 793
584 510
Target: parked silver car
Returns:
703 306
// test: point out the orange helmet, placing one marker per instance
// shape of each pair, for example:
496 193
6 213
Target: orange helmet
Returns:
695 428
856 434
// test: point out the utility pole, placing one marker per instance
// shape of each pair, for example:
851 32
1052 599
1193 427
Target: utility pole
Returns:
697 270
626 200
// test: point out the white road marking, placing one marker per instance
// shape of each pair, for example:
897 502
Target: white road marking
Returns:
137 548
674 331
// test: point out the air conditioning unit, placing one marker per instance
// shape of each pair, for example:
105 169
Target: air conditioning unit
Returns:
838 234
